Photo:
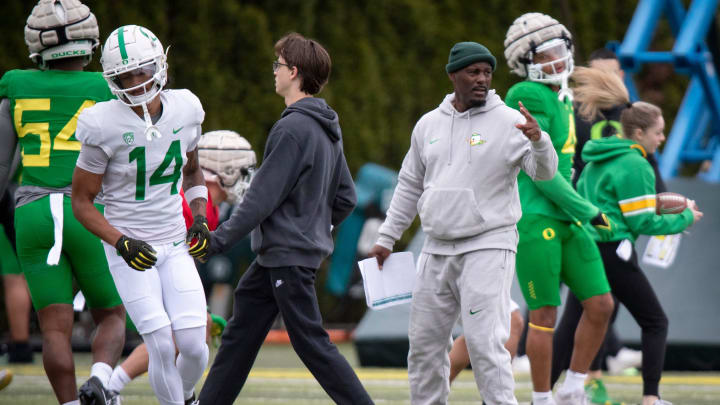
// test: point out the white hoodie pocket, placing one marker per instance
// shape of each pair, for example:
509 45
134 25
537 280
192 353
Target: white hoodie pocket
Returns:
450 213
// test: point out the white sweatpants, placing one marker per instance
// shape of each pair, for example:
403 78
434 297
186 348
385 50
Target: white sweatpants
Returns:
476 286
170 293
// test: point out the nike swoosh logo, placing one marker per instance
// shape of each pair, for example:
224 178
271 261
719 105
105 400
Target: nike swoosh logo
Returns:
177 243
473 313
433 141
175 131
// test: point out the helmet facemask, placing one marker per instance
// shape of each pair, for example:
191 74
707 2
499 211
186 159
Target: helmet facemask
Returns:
553 56
235 191
135 51
227 159
150 69
552 63
536 40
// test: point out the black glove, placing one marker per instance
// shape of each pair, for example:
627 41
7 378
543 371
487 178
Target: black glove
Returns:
603 225
200 232
137 254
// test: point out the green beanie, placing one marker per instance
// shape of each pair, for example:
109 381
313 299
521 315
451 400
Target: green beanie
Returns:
466 53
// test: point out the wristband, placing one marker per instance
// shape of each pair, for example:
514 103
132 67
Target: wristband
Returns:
196 192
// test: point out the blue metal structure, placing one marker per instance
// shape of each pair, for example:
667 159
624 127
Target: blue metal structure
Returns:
695 135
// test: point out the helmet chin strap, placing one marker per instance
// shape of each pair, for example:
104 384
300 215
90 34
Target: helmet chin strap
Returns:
150 129
565 91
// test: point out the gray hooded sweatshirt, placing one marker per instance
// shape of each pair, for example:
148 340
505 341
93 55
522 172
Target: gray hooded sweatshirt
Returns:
460 176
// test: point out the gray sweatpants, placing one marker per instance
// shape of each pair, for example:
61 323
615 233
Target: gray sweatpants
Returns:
475 285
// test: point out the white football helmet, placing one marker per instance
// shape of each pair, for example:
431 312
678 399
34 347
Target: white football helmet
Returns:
228 159
58 29
134 49
535 41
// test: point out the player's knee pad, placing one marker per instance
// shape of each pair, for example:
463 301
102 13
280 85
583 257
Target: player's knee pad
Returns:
160 346
191 342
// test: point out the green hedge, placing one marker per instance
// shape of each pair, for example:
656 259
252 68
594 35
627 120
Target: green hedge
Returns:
388 56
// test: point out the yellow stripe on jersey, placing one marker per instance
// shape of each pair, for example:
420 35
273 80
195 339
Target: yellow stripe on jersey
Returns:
637 205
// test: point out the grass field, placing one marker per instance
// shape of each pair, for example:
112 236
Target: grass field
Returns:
280 378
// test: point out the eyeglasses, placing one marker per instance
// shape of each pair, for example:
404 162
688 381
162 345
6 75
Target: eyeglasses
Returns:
276 65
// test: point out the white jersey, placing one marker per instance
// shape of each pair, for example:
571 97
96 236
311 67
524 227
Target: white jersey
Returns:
142 179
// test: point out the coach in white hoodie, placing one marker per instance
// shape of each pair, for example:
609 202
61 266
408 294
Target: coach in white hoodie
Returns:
460 176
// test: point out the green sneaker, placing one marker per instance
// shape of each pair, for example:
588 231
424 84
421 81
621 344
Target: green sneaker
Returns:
217 328
597 394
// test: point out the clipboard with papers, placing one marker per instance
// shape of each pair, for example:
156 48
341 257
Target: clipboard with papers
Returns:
393 285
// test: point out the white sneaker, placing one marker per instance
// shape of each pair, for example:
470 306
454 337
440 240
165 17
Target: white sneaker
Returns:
662 402
571 397
521 365
542 400
114 398
625 359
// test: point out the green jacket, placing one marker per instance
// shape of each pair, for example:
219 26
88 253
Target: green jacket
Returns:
555 198
619 180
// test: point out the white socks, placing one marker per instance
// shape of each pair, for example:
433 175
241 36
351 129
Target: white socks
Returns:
103 371
118 380
573 381
542 398
75 402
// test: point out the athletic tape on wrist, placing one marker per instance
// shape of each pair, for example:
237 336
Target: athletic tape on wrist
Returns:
541 328
196 192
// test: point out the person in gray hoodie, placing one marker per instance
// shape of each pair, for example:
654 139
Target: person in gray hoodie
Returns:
460 176
301 190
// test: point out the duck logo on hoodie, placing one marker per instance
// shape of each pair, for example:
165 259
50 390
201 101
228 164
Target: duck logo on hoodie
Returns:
475 139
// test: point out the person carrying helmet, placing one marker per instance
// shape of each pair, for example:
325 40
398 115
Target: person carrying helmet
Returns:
554 246
39 112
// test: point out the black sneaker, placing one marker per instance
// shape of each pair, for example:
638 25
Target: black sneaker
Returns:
93 392
20 352
191 400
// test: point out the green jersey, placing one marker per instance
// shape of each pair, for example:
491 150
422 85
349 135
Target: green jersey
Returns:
45 105
555 198
621 182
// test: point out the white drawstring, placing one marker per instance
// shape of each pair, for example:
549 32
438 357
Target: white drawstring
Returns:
469 145
452 125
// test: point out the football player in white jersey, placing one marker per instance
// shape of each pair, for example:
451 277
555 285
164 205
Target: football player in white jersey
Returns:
140 149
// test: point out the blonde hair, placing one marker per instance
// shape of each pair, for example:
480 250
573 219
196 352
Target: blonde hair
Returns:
598 89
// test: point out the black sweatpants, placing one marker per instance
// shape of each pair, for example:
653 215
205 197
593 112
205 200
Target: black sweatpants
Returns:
261 293
630 286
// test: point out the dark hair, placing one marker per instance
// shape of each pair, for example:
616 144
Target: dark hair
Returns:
311 59
602 53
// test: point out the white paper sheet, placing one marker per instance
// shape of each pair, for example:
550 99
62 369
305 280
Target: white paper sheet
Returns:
624 250
393 285
661 250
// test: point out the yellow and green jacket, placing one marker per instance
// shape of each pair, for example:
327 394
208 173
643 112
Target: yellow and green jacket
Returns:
619 180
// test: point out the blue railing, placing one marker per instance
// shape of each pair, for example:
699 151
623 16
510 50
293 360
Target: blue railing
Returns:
695 135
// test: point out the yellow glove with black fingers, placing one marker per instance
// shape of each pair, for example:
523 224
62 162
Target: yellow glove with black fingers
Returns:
137 254
198 238
604 227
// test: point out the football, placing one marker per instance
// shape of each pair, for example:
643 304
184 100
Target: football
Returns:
670 203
